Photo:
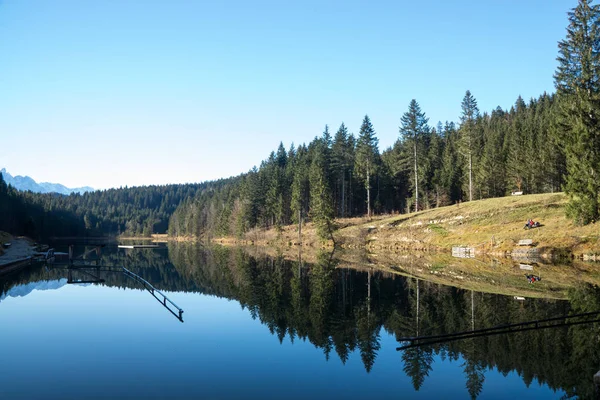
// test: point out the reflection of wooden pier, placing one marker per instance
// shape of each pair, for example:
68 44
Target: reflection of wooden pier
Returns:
153 291
92 269
565 320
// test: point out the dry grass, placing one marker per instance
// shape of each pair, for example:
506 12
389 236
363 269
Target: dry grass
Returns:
491 225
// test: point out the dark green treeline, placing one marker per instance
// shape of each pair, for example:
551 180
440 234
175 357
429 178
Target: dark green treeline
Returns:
137 211
342 175
342 311
21 214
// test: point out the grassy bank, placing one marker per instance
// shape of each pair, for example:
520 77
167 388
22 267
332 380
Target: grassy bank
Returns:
491 226
486 274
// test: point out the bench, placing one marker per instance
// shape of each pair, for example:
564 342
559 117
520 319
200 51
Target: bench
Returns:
525 242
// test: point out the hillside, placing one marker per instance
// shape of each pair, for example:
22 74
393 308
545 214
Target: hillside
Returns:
492 226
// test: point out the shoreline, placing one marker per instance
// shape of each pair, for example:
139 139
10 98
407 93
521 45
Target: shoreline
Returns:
492 227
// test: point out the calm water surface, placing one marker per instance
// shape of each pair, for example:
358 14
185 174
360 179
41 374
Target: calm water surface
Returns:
269 328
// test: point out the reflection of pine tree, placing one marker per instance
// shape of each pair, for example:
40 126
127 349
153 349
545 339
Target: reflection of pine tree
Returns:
342 322
368 337
474 372
417 360
299 300
585 354
417 364
321 300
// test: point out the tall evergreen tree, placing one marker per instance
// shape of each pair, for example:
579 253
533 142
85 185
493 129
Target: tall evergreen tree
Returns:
577 80
414 130
367 157
469 138
342 161
433 167
451 173
321 204
300 191
492 172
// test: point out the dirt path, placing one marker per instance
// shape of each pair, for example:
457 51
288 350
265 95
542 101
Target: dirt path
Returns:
19 249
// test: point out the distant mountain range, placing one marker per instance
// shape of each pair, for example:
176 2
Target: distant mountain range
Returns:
26 183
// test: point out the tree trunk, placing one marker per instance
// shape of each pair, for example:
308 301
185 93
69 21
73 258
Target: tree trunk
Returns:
417 307
368 194
470 177
416 179
350 203
344 194
472 311
369 294
300 226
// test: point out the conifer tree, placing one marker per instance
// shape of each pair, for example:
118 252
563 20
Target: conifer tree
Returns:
341 164
414 129
577 80
367 157
300 186
451 173
321 208
469 138
433 172
492 172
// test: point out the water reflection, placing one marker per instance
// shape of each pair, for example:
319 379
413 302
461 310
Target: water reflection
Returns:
342 311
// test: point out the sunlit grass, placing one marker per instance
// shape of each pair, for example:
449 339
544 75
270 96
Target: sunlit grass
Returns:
490 224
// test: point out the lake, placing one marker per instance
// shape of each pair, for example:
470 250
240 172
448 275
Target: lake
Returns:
264 327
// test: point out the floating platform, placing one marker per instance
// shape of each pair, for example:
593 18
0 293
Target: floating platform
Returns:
138 246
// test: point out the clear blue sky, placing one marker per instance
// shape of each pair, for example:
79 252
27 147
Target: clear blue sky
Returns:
114 93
